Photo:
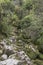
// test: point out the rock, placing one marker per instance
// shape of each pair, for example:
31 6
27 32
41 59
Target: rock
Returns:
11 62
4 57
8 47
1 49
20 41
1 64
27 58
11 56
3 42
31 47
21 52
23 55
12 39
9 50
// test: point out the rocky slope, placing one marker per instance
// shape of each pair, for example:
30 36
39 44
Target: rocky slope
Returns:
21 32
11 55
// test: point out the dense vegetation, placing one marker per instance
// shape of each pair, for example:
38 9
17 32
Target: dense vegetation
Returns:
24 19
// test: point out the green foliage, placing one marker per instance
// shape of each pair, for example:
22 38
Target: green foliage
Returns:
40 44
6 12
41 56
28 4
38 62
4 29
26 22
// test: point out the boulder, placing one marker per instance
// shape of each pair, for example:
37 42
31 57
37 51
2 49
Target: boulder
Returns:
4 57
11 62
9 50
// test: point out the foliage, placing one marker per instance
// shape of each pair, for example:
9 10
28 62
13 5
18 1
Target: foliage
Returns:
6 9
25 19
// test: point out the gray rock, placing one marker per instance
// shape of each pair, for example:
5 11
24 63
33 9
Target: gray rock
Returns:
8 50
21 53
4 57
3 42
1 64
12 39
11 62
